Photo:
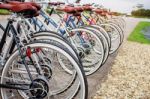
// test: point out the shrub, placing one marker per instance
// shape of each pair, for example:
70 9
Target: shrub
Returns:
4 12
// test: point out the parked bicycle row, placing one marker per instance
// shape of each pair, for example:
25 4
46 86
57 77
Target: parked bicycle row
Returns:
49 54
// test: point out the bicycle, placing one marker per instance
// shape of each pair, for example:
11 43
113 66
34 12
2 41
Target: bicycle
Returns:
32 54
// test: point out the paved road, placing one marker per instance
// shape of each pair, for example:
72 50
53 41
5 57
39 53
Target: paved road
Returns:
131 23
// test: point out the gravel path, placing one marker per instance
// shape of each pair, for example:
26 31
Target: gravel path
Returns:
129 76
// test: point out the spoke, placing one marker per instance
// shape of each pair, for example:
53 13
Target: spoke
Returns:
98 52
18 80
21 71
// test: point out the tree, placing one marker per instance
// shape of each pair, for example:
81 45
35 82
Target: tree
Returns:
141 13
78 1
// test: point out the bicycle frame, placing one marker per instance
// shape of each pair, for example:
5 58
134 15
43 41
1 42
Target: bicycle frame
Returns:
68 23
15 39
10 47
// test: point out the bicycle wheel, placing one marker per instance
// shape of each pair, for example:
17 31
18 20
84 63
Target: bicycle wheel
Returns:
50 35
94 48
66 45
104 41
56 85
121 32
102 30
117 24
115 37
121 21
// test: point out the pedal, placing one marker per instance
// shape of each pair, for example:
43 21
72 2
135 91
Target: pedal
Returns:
39 87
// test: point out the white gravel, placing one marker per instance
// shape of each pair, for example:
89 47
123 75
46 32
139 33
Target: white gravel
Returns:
129 77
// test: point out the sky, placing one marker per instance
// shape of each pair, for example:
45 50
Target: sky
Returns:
125 6
120 5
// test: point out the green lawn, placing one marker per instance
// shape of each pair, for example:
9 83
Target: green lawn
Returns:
137 35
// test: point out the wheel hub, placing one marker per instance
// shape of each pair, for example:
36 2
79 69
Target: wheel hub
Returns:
39 88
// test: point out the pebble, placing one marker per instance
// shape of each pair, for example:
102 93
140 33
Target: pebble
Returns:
130 74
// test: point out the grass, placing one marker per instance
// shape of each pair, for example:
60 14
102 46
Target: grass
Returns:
4 12
137 35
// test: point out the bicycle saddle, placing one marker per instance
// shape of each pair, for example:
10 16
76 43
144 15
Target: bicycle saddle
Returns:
67 9
79 9
98 11
87 8
31 3
111 13
26 10
55 3
103 14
